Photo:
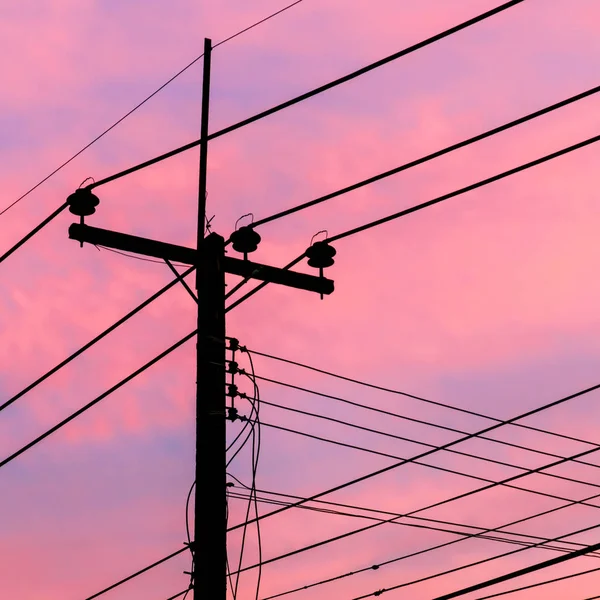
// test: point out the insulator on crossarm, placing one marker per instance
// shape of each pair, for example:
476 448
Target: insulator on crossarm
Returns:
83 204
245 240
320 255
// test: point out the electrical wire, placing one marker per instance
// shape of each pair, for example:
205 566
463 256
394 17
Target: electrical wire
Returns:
95 340
414 517
429 203
395 465
443 469
518 573
413 441
138 573
140 104
540 583
314 92
492 538
464 190
428 157
423 422
414 397
33 232
89 405
128 255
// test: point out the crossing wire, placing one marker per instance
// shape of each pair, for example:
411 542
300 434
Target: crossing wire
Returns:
429 203
428 423
428 157
315 91
413 396
140 104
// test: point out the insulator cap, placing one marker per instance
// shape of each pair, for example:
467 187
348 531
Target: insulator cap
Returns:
320 255
245 239
82 202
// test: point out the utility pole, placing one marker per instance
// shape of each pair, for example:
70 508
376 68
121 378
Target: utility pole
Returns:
210 521
209 547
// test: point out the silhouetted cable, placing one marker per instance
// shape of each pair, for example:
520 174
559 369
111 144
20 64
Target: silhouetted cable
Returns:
423 205
479 532
464 190
139 105
492 538
562 558
315 91
89 405
540 583
427 444
183 593
389 413
94 341
448 445
419 398
492 482
520 572
489 559
33 232
428 157
137 573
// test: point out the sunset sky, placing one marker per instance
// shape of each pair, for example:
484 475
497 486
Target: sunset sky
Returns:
486 302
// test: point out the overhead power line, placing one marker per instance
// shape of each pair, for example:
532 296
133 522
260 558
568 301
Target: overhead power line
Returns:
468 188
140 104
520 572
540 583
493 538
95 340
314 92
89 405
432 524
427 444
414 397
450 444
427 204
428 157
389 413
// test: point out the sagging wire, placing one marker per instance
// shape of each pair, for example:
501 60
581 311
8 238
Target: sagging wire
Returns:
253 421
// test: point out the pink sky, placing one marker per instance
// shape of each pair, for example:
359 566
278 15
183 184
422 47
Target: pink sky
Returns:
488 301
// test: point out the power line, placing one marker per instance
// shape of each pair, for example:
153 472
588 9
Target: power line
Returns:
379 592
314 92
389 413
492 538
94 341
464 190
423 205
540 583
414 397
89 405
414 517
428 157
445 469
140 104
137 573
33 232
413 441
520 572
448 445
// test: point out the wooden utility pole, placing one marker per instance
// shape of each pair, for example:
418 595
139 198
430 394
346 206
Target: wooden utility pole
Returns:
209 547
